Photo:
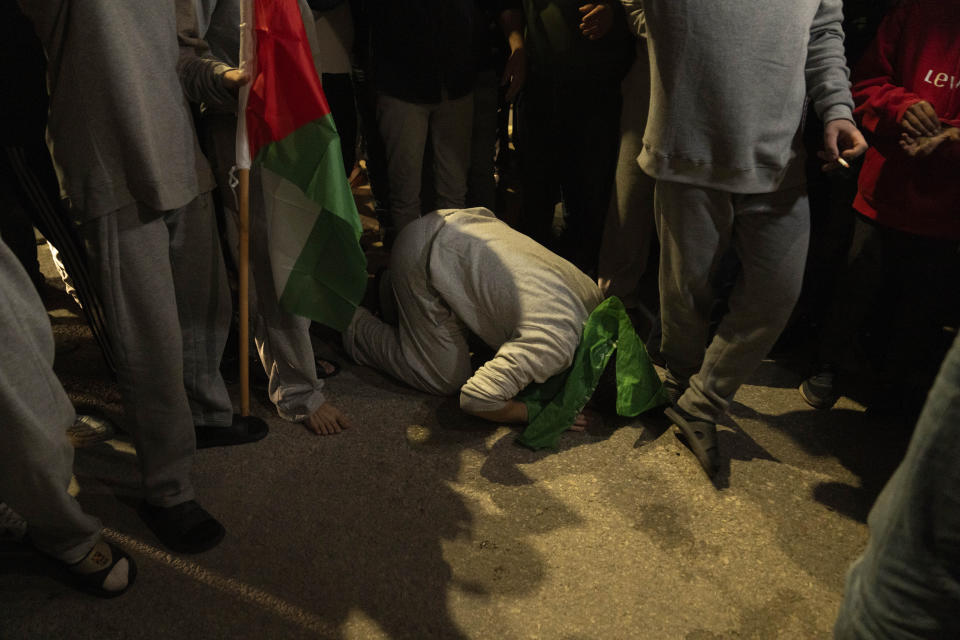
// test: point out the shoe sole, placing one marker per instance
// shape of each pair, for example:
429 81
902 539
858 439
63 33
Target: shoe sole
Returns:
820 405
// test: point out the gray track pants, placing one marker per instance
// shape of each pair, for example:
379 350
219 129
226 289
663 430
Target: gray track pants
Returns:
36 459
770 233
428 350
164 288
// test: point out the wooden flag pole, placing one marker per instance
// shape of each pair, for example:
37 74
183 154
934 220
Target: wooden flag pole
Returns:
243 293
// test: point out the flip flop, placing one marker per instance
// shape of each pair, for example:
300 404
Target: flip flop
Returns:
86 575
323 373
700 437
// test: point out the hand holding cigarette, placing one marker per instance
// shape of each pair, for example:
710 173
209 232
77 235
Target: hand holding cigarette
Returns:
842 142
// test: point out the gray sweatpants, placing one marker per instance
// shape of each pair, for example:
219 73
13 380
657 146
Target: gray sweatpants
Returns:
164 288
281 338
428 350
770 233
36 459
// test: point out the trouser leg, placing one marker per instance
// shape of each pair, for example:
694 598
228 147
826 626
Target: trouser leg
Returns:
428 349
203 306
914 532
451 125
771 234
694 226
590 116
481 183
857 288
130 261
629 229
36 459
403 126
539 159
366 101
282 339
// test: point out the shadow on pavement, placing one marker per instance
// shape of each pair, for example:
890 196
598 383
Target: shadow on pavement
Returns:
868 445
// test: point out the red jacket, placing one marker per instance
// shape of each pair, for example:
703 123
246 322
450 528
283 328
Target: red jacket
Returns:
915 56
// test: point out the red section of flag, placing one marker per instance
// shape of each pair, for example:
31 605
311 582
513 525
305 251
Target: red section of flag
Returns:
286 92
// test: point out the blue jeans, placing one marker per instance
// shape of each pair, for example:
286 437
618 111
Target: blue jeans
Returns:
907 582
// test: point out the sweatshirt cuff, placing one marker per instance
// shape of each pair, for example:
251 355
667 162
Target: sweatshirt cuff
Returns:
837 112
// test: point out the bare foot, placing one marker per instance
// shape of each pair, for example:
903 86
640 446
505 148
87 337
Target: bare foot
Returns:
922 146
327 420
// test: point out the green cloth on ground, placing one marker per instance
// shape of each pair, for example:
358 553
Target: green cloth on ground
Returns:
553 404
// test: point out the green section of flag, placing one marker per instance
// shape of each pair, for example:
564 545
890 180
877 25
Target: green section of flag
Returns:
310 158
329 276
326 284
553 405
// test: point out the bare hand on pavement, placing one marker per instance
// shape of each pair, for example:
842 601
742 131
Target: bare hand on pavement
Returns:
586 419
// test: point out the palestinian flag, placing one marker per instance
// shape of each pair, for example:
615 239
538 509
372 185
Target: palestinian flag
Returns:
285 127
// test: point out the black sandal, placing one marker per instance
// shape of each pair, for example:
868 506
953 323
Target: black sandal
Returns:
700 437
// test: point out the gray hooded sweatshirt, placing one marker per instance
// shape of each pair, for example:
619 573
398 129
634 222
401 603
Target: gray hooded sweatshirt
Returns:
728 86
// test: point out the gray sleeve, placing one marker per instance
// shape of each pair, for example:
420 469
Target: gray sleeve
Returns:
828 79
536 354
635 17
473 404
201 75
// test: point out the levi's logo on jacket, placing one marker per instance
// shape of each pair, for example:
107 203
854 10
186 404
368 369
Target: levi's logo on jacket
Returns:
941 79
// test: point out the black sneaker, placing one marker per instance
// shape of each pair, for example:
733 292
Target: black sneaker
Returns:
820 389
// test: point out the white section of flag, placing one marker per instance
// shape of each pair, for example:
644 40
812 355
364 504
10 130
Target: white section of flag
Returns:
291 216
